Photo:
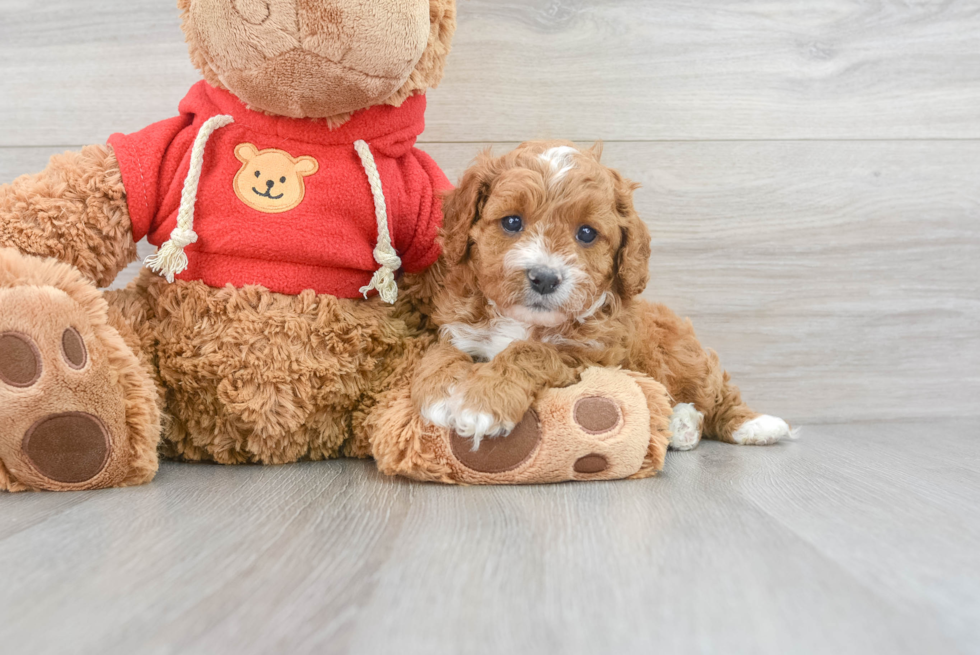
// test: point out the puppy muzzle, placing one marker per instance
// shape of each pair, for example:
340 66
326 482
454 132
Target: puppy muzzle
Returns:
544 281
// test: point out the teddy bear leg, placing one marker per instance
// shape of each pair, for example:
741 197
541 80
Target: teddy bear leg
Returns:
78 405
611 425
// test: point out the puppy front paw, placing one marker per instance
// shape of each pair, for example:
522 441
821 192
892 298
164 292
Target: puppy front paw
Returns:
468 419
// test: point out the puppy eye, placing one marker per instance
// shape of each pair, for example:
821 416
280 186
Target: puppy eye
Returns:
258 173
586 234
282 179
512 224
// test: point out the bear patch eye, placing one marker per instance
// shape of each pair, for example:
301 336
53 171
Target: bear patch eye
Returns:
512 224
258 173
282 179
586 234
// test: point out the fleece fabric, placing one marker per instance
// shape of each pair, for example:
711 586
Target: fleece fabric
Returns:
307 221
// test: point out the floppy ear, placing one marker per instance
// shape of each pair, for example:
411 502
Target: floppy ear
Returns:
461 208
306 166
246 152
633 256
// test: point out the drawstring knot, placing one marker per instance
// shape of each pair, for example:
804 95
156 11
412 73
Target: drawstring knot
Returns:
383 279
170 260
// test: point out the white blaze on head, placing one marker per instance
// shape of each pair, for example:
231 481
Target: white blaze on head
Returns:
533 252
562 160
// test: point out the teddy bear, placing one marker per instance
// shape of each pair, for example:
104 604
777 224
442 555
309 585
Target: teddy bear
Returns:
288 203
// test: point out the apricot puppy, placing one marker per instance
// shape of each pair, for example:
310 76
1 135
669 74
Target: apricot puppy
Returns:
544 257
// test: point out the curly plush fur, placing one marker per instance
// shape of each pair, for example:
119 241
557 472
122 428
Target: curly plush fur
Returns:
258 377
75 211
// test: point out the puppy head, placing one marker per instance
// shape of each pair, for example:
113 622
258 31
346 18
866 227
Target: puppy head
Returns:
546 233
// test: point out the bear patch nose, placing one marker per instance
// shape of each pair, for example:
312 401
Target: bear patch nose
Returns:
269 184
544 280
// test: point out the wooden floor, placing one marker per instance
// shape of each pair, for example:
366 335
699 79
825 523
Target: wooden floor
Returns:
860 538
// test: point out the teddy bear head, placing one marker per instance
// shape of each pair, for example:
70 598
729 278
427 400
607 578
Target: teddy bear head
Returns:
319 58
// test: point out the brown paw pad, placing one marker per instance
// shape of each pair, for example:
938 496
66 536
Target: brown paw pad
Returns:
591 464
70 448
597 415
73 349
20 360
499 454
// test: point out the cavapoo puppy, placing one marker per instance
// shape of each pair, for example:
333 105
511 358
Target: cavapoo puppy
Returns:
544 257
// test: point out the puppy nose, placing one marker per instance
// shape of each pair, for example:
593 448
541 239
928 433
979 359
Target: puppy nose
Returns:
269 183
544 280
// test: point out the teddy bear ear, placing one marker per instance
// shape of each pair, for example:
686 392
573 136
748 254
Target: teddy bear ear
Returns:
246 152
307 166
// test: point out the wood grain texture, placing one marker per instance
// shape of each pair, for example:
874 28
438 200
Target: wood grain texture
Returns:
75 71
857 539
837 280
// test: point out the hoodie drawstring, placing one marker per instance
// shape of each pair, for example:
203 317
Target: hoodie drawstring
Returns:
170 259
384 253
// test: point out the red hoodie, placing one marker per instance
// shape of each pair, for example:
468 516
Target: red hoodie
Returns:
307 221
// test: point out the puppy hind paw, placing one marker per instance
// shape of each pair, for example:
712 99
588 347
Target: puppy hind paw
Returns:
763 430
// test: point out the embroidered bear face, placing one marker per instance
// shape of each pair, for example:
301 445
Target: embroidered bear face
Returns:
271 181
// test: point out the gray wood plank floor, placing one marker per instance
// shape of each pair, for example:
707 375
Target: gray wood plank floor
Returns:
860 538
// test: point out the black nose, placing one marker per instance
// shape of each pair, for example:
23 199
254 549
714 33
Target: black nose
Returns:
269 183
544 280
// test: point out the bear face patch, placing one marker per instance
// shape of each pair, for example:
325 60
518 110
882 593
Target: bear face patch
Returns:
271 181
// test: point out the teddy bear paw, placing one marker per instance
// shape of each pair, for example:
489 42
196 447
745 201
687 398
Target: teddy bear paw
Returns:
63 409
598 429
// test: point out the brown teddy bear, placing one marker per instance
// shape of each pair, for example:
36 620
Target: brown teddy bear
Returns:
286 191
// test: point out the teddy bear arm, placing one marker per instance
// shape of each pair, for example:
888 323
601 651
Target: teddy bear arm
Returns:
75 211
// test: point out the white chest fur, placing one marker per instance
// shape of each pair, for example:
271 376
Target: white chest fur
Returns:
486 341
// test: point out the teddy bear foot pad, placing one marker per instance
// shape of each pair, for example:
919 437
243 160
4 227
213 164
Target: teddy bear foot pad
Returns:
62 405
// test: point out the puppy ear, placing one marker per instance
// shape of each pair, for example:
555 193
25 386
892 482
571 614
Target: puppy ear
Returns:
461 208
633 256
596 150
